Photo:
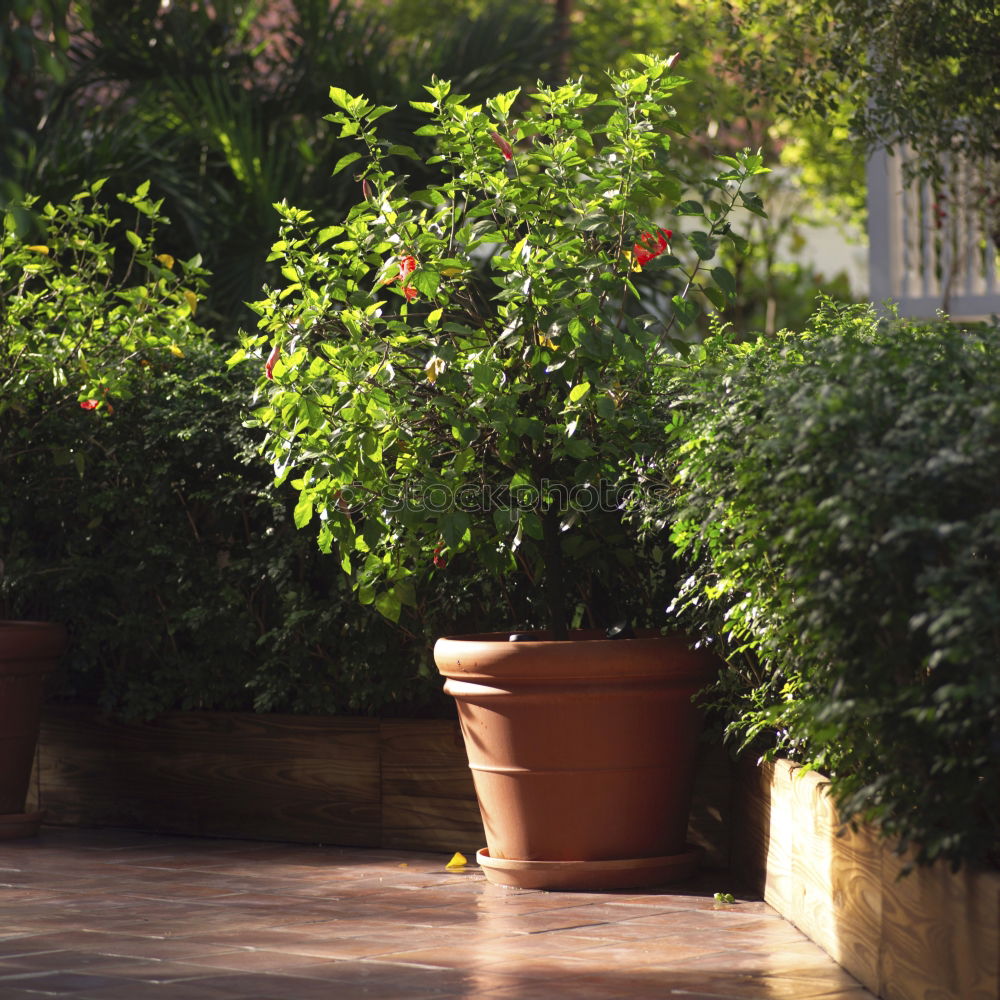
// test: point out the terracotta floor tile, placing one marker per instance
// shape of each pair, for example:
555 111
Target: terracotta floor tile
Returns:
301 988
113 915
136 990
58 983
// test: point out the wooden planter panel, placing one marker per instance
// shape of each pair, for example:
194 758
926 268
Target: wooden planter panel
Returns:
427 791
213 774
931 935
392 783
351 782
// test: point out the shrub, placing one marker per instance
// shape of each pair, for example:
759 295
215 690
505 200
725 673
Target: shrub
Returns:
181 577
467 365
131 509
836 500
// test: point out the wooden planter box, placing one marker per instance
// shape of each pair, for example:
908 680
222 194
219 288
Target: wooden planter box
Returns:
931 935
389 783
400 783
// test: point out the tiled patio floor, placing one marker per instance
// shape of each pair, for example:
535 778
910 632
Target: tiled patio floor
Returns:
112 915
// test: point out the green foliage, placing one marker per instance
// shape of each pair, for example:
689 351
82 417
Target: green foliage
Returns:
88 309
220 105
131 507
924 72
181 578
836 505
463 368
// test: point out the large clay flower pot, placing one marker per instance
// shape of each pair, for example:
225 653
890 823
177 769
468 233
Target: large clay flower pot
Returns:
28 651
583 755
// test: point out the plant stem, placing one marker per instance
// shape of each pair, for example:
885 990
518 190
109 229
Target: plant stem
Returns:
555 593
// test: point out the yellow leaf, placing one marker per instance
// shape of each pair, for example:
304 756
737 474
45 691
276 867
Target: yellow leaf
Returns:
166 260
176 351
457 861
546 341
191 299
44 250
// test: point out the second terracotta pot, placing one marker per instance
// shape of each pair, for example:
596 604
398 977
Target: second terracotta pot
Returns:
582 751
28 652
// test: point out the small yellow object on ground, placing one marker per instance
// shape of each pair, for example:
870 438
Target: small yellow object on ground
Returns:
457 861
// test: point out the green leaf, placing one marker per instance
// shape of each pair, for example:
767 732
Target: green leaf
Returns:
389 605
741 244
346 161
716 296
425 281
685 311
327 234
532 524
398 149
341 97
704 245
689 208
724 280
455 529
303 511
752 203
579 391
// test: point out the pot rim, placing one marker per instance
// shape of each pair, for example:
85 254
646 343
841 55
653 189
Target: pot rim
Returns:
492 657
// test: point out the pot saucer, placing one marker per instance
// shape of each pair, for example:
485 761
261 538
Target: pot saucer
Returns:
629 873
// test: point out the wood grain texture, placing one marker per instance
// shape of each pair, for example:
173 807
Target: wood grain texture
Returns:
428 799
751 804
710 823
931 935
214 774
938 920
393 783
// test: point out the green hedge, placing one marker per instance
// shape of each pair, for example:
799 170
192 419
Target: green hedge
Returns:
837 503
178 569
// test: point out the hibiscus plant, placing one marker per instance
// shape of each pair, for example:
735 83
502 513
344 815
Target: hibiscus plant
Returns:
462 372
90 310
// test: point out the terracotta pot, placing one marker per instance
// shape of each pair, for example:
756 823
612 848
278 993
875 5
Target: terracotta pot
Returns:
582 752
28 651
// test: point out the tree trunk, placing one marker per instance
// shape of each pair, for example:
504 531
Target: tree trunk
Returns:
562 39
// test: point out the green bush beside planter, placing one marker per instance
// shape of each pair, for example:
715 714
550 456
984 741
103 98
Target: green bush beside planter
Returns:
131 508
837 499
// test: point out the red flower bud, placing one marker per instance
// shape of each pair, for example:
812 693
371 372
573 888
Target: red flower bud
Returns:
366 189
88 404
504 146
272 360
673 59
439 560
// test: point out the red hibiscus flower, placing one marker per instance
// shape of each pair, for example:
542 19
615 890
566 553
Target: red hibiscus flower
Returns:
439 560
503 145
650 246
88 404
407 265
272 360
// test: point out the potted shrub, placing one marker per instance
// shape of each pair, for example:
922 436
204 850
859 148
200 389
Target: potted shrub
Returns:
455 379
84 323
